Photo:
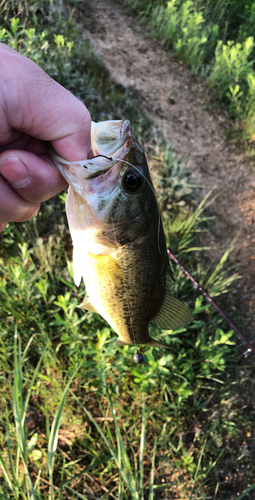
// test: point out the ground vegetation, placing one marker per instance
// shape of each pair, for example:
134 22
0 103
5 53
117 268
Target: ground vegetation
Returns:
78 418
216 39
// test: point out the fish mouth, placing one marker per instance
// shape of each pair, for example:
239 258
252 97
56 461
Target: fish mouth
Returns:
111 141
109 137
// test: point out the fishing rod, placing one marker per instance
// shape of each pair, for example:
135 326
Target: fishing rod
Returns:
211 301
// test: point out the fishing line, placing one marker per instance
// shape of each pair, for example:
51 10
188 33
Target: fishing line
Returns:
211 301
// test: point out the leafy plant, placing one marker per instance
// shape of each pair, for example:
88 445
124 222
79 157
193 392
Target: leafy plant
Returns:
37 278
232 71
216 40
125 428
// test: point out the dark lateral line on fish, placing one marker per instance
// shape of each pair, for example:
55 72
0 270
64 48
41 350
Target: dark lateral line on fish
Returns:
97 156
211 301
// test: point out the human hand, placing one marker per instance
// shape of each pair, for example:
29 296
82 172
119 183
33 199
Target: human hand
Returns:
33 109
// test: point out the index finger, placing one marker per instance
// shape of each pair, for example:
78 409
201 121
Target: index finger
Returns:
37 105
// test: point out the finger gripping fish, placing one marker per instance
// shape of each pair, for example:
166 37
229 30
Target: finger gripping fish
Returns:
119 246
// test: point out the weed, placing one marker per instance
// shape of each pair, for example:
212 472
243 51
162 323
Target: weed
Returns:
203 33
232 72
189 380
125 430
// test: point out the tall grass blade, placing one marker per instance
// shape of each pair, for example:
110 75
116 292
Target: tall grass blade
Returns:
150 497
79 495
130 479
7 477
37 484
125 466
240 497
31 385
60 496
197 470
18 409
15 483
201 207
221 263
80 474
142 446
120 485
53 438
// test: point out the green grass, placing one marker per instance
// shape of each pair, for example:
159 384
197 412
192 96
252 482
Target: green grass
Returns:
78 417
216 39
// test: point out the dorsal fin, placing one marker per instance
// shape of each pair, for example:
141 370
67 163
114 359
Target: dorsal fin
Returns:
173 313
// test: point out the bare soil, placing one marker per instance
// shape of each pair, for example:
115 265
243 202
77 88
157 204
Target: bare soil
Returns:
181 110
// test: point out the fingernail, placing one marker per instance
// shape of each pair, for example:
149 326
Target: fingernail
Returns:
15 172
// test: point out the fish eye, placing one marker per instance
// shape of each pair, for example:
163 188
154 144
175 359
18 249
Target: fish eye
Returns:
132 181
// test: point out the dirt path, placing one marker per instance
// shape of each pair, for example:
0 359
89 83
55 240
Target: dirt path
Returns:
177 104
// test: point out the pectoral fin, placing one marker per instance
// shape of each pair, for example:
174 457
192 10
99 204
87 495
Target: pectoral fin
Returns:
173 314
105 268
86 304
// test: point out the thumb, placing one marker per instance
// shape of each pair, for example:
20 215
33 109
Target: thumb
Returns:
32 177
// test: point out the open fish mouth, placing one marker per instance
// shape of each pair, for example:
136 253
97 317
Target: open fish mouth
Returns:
108 138
110 142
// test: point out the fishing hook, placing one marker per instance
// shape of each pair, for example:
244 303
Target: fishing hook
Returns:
97 156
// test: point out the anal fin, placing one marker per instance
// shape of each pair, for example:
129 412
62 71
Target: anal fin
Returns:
173 314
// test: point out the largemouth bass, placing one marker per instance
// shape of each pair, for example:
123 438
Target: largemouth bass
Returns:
119 246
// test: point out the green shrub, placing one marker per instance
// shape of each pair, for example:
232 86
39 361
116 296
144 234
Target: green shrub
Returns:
175 413
200 32
232 75
182 27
